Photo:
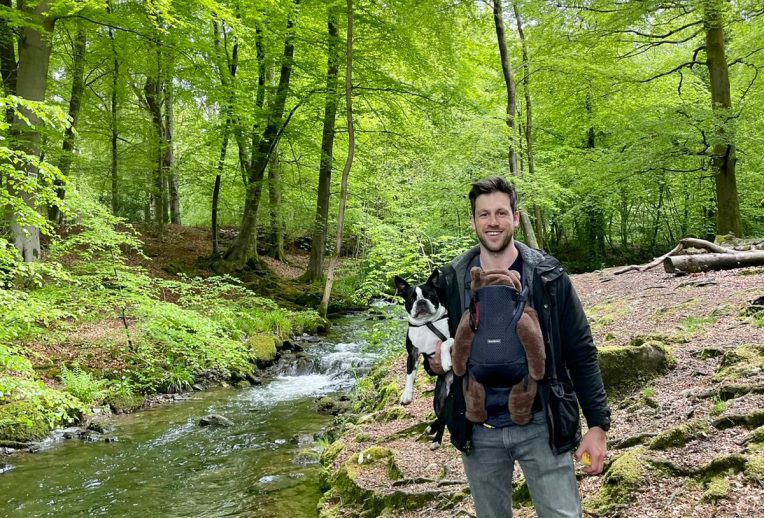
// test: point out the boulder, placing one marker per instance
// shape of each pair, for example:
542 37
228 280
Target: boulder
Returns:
626 367
215 420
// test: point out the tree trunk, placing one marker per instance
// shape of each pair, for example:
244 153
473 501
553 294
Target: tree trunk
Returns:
168 153
276 245
114 134
8 59
31 83
75 102
244 246
152 91
315 268
538 216
227 67
704 262
324 307
509 81
724 156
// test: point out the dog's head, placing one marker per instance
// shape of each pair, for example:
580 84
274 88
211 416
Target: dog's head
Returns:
422 301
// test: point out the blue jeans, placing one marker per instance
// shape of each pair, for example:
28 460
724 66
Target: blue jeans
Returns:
551 478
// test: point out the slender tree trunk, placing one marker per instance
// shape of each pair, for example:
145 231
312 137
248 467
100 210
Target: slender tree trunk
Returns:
324 308
152 91
243 248
538 216
31 83
8 58
114 170
276 244
227 67
724 156
315 268
75 102
509 81
168 153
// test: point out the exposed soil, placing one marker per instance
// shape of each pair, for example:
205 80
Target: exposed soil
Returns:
704 319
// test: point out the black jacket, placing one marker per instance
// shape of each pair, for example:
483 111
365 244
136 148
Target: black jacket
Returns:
572 370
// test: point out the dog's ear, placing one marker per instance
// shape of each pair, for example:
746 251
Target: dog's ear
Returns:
434 278
400 285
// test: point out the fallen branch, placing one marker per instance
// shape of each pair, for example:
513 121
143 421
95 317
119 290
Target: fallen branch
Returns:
684 244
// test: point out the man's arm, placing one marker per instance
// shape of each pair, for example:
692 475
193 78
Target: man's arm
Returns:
580 357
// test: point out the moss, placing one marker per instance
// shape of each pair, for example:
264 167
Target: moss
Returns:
625 474
262 347
757 436
334 450
606 313
377 454
717 489
362 437
671 312
624 368
22 421
678 436
396 414
124 403
754 470
740 362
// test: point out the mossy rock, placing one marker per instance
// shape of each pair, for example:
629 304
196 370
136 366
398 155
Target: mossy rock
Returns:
334 450
717 488
624 368
124 403
396 413
346 486
623 477
22 422
263 347
678 436
739 362
754 470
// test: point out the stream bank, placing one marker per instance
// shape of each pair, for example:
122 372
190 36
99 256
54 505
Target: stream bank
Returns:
162 463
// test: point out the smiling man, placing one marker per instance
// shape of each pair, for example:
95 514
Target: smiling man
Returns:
544 448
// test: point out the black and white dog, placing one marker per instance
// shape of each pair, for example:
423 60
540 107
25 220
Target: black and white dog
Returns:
428 325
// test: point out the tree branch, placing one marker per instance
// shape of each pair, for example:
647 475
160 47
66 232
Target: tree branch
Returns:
669 72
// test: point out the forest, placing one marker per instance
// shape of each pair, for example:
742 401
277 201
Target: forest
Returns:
244 134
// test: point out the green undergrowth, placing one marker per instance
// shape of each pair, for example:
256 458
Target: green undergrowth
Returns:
85 327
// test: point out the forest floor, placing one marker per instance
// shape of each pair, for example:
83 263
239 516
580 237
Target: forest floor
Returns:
689 443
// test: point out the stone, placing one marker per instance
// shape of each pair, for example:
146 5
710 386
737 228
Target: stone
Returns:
215 420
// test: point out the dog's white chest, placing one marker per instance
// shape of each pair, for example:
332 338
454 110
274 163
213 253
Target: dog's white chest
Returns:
424 339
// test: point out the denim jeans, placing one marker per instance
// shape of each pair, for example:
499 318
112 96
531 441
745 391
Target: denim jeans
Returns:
551 478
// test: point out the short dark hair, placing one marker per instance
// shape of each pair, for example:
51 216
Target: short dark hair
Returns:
493 184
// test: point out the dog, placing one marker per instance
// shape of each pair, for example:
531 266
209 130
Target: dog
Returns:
428 325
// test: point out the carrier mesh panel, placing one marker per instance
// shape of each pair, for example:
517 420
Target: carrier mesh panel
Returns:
497 358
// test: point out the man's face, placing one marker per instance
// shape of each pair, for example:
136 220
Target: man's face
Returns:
494 221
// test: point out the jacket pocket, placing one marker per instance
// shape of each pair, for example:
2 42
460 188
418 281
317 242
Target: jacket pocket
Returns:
564 416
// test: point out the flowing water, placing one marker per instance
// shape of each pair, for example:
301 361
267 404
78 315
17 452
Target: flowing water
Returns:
165 464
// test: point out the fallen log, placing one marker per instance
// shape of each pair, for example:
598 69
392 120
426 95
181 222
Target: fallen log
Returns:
684 244
716 261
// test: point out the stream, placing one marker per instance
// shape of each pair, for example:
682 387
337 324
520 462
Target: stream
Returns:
164 464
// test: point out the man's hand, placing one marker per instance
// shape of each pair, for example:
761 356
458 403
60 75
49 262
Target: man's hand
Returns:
595 443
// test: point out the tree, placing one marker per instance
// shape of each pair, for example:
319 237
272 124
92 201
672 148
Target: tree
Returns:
324 307
243 248
315 268
31 83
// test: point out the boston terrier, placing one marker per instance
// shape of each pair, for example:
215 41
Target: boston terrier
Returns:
428 325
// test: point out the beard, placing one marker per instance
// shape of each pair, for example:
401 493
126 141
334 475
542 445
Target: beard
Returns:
495 247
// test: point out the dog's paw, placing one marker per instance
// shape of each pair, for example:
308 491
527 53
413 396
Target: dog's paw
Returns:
406 398
434 445
445 362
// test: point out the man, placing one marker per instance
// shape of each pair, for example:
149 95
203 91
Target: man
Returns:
542 447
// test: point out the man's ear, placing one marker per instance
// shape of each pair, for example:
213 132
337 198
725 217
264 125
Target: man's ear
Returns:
434 278
516 216
400 285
